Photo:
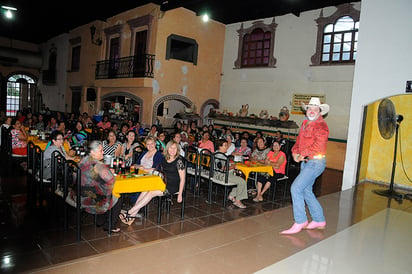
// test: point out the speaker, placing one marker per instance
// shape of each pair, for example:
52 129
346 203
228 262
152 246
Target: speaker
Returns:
91 94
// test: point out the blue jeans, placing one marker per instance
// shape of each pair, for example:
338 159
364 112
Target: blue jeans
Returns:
302 191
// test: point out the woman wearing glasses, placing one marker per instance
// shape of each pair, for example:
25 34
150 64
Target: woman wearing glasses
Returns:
57 141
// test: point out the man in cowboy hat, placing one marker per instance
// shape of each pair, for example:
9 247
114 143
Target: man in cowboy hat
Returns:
310 151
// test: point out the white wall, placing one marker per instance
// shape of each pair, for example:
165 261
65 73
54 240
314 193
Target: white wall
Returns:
382 68
272 88
53 95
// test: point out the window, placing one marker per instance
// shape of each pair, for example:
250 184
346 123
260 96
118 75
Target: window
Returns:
337 37
256 46
340 41
20 93
181 48
75 58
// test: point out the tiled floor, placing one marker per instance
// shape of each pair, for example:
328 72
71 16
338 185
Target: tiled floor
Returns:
210 239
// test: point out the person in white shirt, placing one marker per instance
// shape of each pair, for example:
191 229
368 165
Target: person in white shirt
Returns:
231 146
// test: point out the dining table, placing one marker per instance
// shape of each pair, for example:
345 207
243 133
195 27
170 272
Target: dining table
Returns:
131 183
249 167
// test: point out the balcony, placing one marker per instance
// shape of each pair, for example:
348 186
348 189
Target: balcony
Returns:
126 67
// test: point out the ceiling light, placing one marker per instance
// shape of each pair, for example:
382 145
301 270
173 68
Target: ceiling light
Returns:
205 17
8 11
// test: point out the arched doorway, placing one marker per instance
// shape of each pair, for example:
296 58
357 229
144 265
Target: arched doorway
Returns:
21 94
206 108
166 107
122 106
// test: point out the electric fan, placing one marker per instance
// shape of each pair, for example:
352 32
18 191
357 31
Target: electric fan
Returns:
388 123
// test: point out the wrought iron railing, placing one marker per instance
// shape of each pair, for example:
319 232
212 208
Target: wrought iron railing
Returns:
126 67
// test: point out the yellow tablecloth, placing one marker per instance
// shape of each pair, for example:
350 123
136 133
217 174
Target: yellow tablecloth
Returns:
42 144
247 168
137 184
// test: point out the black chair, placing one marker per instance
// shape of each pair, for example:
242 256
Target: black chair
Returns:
192 165
5 140
30 158
168 198
204 171
282 180
219 175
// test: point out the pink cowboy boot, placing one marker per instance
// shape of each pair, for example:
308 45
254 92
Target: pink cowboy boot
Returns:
316 225
295 228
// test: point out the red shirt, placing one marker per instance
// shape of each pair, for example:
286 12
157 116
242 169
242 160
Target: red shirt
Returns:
312 138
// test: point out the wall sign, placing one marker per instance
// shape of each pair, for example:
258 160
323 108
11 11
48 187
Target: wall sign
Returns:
299 98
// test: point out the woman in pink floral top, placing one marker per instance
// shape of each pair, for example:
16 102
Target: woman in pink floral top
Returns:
18 138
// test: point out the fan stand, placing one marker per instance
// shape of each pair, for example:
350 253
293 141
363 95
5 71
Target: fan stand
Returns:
391 192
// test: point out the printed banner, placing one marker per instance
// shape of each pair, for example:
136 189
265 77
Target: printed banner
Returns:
299 98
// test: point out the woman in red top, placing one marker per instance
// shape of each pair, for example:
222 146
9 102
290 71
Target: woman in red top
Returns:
277 159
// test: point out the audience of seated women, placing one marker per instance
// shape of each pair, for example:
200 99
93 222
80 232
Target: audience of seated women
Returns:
174 171
277 159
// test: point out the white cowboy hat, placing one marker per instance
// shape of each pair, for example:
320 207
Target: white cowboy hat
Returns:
315 102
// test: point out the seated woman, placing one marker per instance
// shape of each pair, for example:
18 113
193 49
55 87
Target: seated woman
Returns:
151 158
18 138
243 149
57 141
231 146
206 143
105 123
97 186
239 192
128 147
121 136
161 141
260 153
111 146
79 135
174 172
277 159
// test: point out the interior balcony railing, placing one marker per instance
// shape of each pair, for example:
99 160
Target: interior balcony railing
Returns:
126 67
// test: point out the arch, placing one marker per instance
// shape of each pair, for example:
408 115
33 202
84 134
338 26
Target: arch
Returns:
126 94
186 101
215 103
123 93
20 92
25 73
